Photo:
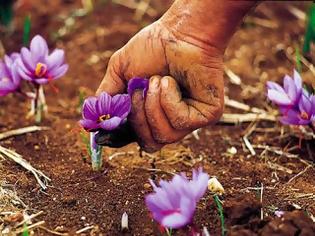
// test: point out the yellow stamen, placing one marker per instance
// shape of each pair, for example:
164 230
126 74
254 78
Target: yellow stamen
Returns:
40 70
104 117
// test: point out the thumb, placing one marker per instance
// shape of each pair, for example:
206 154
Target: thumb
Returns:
113 81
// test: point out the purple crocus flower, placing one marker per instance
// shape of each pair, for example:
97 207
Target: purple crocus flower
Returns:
9 78
289 95
303 115
38 66
105 112
138 83
173 203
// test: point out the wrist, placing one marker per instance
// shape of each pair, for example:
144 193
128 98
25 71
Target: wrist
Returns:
206 23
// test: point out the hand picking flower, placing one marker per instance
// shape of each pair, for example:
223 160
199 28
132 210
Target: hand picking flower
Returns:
107 113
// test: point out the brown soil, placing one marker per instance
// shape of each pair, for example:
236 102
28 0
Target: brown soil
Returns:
78 197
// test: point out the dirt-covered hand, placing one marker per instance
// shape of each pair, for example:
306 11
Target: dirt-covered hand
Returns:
186 78
187 94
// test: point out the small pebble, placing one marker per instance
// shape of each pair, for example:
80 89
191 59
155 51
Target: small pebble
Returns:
83 218
36 147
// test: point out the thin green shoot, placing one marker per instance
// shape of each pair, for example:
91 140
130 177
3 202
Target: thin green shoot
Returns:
221 214
86 141
26 30
25 230
309 36
169 231
298 59
82 96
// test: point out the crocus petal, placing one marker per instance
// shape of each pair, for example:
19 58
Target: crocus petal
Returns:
278 98
200 185
175 221
23 72
56 73
138 83
305 105
111 123
293 118
39 48
89 110
290 88
55 59
27 59
15 56
89 125
104 101
297 79
275 86
121 105
41 80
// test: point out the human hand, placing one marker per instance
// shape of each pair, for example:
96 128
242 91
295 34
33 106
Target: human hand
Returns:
185 68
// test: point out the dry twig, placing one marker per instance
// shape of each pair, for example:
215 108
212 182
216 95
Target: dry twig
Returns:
19 160
21 131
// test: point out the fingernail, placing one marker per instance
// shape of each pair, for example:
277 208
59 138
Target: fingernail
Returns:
164 82
154 83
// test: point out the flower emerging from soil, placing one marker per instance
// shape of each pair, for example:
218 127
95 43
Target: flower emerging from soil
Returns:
296 104
9 78
173 203
138 83
289 95
105 112
304 115
37 65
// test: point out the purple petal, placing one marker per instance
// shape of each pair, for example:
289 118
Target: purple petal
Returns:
111 123
27 59
55 59
41 80
121 105
275 86
104 101
175 220
289 87
200 185
278 98
138 83
39 48
297 79
89 125
89 110
56 73
305 105
23 72
15 56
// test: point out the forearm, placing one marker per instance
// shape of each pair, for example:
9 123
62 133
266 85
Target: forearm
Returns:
208 22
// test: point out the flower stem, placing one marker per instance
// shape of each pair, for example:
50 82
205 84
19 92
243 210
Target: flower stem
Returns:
38 105
96 153
168 231
220 210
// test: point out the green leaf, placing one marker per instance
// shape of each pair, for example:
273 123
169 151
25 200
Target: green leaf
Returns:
86 141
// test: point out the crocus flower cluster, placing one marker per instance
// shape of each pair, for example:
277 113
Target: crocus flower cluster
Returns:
296 104
34 65
173 203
